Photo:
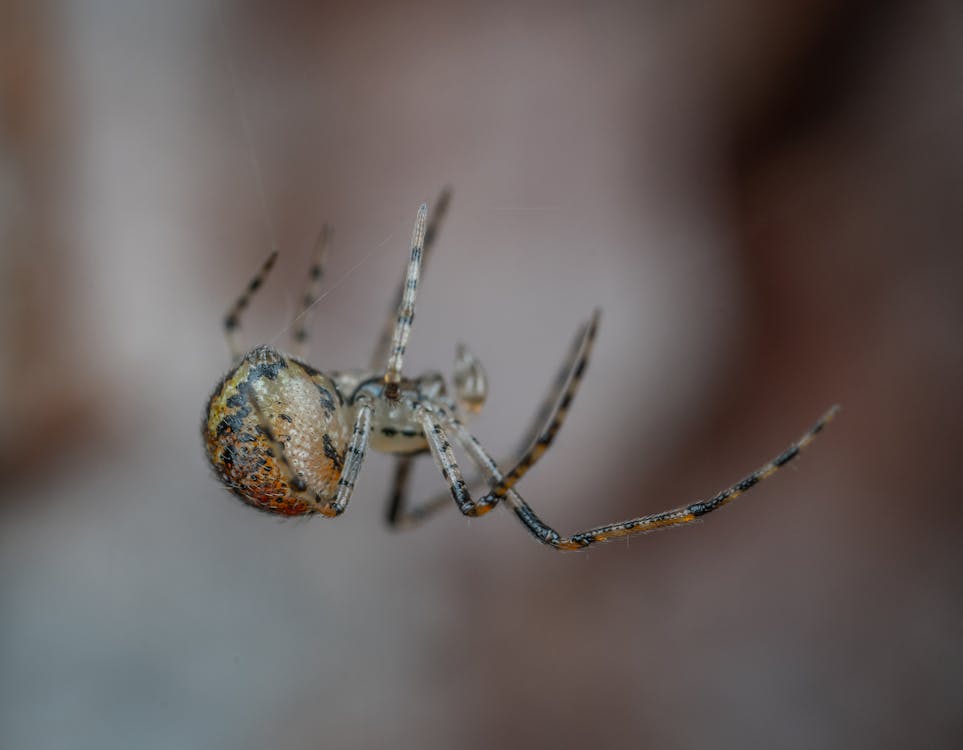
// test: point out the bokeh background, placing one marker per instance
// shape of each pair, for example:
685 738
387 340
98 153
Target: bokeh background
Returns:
764 198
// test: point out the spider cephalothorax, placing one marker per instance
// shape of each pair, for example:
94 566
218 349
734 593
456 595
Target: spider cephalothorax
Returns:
290 440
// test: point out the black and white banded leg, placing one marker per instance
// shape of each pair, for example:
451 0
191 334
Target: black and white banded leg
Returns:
232 321
406 310
441 450
643 524
545 425
299 326
400 513
354 458
553 411
436 216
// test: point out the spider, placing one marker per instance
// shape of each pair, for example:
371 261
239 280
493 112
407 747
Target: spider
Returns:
289 439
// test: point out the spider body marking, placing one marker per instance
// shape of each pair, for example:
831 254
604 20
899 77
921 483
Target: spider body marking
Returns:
301 408
290 440
311 415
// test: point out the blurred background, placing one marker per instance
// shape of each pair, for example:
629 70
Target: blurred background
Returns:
763 197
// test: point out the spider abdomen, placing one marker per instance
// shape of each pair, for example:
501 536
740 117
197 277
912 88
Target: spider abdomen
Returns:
303 412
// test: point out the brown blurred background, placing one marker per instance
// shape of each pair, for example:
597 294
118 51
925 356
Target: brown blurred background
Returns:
764 198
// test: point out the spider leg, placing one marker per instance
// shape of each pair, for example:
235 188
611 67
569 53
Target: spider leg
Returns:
441 451
354 458
232 321
406 310
434 421
400 515
299 330
349 473
399 491
552 412
546 424
643 524
581 348
408 517
438 211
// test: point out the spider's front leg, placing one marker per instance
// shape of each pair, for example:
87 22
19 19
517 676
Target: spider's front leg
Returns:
399 513
643 524
383 347
441 451
551 414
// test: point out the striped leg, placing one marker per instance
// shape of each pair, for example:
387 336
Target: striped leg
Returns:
551 415
434 423
232 321
679 516
396 513
441 451
552 411
400 515
438 212
354 457
299 326
406 310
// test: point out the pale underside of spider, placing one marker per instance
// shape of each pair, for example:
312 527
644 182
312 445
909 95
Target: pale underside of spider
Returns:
290 440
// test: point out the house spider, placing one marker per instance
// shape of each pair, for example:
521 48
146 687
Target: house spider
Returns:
290 440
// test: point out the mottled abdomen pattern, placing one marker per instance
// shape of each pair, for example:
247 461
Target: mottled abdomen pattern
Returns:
305 414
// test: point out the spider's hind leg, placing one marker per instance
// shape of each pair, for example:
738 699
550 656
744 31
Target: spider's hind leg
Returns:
299 326
232 321
441 450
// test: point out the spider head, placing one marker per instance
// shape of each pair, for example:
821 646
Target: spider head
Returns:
268 401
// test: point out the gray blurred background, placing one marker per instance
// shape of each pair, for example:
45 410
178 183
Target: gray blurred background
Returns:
764 198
